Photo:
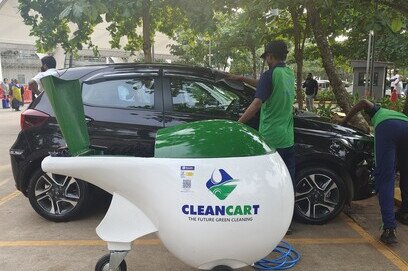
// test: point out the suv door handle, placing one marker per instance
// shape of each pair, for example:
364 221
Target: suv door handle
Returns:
88 119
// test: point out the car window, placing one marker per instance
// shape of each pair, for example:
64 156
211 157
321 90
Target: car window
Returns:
124 93
200 97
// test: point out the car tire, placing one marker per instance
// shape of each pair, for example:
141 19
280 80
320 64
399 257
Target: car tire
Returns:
57 198
320 195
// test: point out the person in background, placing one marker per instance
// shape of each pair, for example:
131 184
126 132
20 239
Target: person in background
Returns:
396 82
3 96
22 91
48 67
2 87
10 86
390 136
5 87
312 87
17 100
394 95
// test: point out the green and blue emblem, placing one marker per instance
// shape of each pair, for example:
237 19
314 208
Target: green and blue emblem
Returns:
223 188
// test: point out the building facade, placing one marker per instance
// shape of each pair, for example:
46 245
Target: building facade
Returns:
19 58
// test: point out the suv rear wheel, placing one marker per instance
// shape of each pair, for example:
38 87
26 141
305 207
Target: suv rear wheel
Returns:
320 195
56 197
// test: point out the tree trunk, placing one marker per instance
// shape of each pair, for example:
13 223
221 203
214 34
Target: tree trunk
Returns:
342 97
299 73
298 53
254 69
147 45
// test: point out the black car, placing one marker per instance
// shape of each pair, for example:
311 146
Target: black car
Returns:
126 104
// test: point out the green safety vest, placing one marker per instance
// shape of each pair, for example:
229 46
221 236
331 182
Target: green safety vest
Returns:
385 114
276 120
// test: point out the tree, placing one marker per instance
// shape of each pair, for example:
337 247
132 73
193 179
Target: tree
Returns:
342 97
71 22
391 33
190 48
399 6
246 31
300 31
238 32
292 24
391 42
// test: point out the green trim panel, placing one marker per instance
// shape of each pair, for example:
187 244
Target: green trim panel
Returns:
66 101
209 139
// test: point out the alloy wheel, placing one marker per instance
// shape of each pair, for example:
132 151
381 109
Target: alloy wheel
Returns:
317 196
57 194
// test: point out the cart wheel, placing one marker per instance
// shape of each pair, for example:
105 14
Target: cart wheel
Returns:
222 268
103 264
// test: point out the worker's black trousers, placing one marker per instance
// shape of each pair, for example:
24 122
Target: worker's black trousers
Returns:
391 144
288 156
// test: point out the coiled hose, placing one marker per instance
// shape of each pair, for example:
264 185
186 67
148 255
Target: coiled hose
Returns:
288 258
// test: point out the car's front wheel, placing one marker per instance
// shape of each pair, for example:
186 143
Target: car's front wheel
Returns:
56 197
320 195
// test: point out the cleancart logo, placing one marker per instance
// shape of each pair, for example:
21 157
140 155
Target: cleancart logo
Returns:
223 188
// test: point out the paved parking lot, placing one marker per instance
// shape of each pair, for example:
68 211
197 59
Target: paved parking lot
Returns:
28 242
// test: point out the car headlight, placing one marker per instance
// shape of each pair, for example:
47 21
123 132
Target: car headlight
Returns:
346 142
365 144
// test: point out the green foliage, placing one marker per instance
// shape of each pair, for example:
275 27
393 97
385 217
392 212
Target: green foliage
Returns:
238 29
396 24
239 37
241 63
71 22
327 103
355 98
325 109
356 20
385 102
326 95
397 106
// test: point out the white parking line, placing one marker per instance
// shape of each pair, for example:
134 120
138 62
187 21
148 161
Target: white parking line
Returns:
9 197
152 242
393 257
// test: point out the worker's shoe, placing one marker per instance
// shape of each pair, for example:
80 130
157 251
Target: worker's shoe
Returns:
389 237
402 217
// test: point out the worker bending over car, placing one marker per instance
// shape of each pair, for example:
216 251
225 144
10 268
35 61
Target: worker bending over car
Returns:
391 144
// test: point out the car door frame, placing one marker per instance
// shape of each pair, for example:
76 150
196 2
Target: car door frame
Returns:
158 108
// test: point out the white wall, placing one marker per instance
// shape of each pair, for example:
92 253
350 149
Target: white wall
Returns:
15 36
28 73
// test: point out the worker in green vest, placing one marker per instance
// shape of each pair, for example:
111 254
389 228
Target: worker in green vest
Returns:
391 144
274 96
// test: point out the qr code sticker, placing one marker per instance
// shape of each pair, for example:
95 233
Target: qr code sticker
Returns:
186 184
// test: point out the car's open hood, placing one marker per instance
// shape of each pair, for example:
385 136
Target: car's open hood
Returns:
307 120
